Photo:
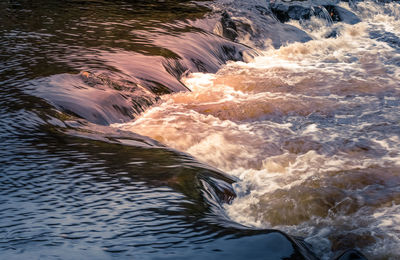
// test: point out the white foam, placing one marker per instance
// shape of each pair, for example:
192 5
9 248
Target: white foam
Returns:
305 130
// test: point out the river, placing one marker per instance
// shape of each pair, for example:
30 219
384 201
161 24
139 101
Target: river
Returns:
192 130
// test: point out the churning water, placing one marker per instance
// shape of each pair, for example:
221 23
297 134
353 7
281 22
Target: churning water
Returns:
311 130
303 119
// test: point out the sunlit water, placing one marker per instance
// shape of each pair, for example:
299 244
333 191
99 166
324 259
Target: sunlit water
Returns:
106 154
311 130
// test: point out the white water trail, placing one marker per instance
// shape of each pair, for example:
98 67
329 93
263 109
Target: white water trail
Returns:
310 129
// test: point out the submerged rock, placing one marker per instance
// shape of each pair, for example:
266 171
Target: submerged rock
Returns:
346 16
303 10
255 26
98 98
226 27
332 34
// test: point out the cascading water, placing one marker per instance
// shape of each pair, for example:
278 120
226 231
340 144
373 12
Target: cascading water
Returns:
209 129
326 15
311 130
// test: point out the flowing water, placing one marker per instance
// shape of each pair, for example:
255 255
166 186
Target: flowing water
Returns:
133 129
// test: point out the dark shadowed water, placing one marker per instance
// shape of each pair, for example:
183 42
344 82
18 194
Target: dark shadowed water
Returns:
84 194
194 130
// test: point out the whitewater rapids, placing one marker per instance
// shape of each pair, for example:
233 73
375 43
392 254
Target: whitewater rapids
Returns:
310 130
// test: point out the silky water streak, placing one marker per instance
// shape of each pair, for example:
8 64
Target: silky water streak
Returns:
311 130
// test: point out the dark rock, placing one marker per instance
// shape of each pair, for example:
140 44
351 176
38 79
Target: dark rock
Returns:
303 10
285 12
346 16
332 34
331 11
226 27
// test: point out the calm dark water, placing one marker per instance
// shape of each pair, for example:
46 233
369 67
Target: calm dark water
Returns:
74 194
134 130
